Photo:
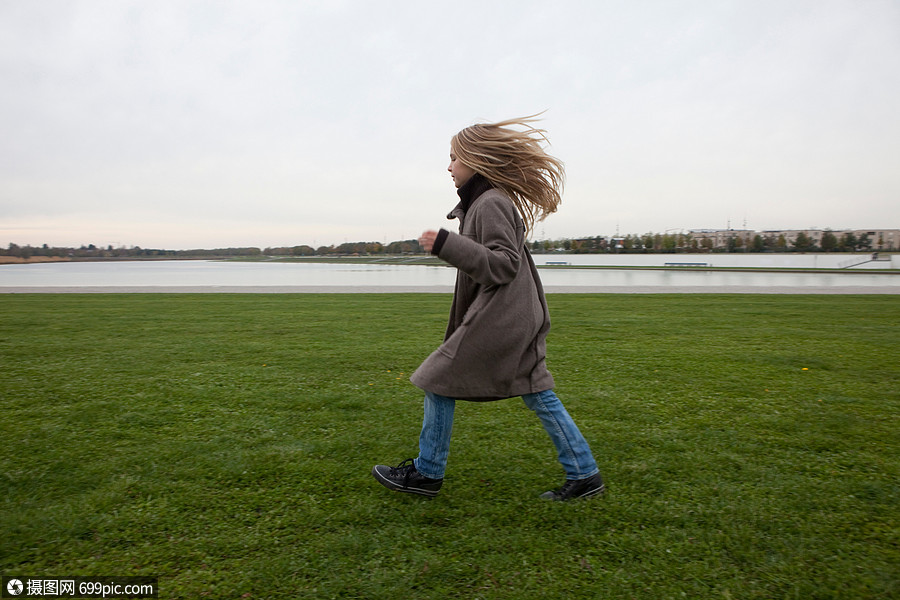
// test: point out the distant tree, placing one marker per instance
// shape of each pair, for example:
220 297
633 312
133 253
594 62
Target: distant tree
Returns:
759 244
864 242
803 243
669 242
848 242
829 241
596 244
781 243
352 248
404 247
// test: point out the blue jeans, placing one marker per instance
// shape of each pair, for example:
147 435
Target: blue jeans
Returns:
434 442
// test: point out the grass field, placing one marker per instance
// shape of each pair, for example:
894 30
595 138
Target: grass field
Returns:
224 443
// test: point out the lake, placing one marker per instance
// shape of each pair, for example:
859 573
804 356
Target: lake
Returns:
274 277
790 260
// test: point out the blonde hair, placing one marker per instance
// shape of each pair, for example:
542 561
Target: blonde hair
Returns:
514 161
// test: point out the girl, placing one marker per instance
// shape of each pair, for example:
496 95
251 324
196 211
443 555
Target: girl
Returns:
495 344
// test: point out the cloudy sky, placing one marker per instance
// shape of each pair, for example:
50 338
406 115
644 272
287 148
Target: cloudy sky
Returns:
186 124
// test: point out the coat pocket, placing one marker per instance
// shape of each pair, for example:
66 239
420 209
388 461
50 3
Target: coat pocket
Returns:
459 339
451 345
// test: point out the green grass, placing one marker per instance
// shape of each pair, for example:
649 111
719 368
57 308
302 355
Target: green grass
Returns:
224 443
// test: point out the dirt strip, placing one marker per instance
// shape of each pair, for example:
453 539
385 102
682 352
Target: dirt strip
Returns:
312 289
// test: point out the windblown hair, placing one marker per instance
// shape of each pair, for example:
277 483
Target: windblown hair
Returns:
514 161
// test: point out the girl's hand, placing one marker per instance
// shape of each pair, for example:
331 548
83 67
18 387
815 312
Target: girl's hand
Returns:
426 240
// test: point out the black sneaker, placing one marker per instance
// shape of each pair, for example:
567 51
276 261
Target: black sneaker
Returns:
577 488
405 478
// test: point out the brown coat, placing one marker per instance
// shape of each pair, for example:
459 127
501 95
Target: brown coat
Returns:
495 345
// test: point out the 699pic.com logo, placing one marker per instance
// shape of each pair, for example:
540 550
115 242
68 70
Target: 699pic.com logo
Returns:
15 587
57 588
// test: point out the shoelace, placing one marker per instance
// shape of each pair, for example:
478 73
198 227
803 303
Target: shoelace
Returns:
568 485
405 469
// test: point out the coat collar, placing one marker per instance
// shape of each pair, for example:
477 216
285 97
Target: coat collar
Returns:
468 193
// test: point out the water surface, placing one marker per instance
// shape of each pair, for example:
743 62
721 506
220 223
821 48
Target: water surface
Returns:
185 275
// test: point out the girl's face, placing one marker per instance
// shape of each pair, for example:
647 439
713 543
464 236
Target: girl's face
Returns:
458 171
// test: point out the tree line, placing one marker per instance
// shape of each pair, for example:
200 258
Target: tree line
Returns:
92 251
645 243
686 242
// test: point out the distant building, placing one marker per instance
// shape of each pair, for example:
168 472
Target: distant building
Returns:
717 239
720 238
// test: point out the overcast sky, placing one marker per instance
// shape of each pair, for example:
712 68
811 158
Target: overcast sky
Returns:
186 124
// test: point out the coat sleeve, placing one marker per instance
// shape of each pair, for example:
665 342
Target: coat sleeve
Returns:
487 251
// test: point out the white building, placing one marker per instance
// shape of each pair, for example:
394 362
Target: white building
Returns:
879 239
